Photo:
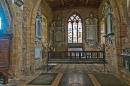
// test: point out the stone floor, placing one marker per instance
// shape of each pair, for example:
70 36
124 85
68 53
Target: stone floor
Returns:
71 75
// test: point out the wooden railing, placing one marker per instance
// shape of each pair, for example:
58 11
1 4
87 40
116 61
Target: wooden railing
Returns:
97 57
88 55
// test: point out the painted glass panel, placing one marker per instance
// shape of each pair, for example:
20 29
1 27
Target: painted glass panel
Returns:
69 32
79 32
74 32
74 29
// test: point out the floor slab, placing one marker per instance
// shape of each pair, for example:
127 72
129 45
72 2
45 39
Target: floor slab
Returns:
106 79
75 79
44 79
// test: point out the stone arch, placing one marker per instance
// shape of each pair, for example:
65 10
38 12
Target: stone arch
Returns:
32 28
76 12
29 15
7 13
44 30
121 6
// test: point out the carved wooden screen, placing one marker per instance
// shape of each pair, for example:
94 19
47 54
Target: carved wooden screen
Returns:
4 52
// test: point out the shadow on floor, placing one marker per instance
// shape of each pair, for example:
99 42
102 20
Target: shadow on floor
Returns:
44 79
106 79
45 67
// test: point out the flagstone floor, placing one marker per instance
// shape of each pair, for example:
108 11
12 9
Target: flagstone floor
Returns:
71 75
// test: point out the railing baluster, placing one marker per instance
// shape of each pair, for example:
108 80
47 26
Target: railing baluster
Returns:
97 55
76 55
70 55
79 55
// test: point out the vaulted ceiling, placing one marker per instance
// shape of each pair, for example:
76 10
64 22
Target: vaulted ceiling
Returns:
65 4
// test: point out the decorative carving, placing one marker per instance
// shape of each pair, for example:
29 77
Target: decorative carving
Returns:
91 30
38 29
107 11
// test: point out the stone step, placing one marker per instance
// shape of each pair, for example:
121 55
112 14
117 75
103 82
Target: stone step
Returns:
77 61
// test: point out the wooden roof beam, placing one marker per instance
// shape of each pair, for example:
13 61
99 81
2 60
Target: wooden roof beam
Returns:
74 2
87 2
62 2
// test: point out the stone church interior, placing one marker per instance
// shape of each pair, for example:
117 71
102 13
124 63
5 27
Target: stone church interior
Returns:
64 43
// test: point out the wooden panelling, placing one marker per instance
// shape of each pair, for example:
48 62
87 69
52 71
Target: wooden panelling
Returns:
5 55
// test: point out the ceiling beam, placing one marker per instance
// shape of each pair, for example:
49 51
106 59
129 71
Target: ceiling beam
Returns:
81 7
87 2
74 2
62 2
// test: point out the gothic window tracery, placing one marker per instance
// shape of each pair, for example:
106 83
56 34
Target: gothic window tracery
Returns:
74 29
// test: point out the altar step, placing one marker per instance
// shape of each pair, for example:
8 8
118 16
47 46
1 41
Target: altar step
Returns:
78 61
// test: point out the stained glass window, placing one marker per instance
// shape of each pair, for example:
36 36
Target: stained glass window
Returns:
0 23
74 29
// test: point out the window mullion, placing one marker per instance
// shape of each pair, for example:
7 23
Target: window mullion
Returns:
72 31
77 31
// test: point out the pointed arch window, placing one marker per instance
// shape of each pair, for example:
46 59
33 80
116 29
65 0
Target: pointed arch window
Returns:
74 29
0 23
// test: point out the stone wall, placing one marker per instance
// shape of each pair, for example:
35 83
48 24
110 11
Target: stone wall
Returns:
110 50
124 41
113 52
47 19
15 21
22 26
84 13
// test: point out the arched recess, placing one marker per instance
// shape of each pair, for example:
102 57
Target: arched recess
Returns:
74 12
5 16
121 5
67 25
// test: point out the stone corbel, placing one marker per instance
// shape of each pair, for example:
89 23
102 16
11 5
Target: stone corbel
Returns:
59 44
109 38
91 42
